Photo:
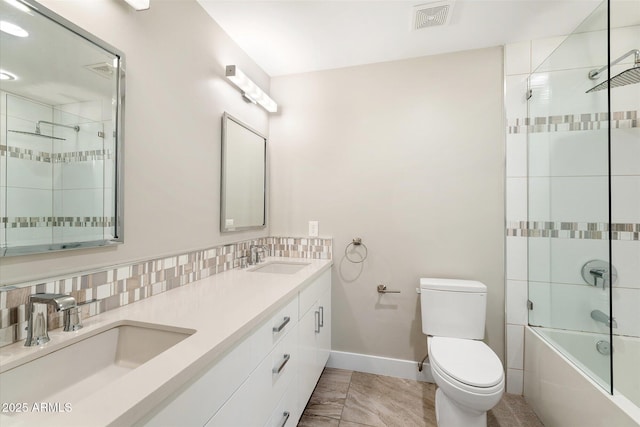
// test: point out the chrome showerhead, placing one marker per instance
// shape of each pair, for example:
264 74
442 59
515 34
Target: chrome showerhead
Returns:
37 134
627 77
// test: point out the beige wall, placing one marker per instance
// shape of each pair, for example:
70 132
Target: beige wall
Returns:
407 155
176 94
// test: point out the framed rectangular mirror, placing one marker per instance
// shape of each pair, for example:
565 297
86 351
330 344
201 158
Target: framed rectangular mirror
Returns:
61 94
243 183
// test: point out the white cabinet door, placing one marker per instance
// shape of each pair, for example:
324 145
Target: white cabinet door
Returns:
307 347
324 337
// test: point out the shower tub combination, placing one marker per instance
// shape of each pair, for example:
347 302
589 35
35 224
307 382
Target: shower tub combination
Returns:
582 345
565 390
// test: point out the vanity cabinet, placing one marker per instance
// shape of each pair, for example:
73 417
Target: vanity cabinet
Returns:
268 377
314 334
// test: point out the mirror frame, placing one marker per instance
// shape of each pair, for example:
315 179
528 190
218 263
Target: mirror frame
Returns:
119 144
223 194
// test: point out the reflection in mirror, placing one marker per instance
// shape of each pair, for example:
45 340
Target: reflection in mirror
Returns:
60 134
243 186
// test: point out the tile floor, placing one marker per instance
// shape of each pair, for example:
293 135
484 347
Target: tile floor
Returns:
355 399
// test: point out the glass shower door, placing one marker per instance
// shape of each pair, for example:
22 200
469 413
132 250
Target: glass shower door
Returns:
568 200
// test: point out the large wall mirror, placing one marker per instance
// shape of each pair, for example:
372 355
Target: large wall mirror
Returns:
61 92
243 183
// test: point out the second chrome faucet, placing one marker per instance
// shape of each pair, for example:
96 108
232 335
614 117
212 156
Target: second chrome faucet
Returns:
37 307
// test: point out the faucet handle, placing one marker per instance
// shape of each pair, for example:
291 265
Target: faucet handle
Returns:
72 319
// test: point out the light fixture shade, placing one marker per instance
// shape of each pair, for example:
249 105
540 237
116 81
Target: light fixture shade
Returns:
138 4
249 89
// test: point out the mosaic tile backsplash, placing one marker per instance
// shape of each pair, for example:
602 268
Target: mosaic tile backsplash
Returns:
108 289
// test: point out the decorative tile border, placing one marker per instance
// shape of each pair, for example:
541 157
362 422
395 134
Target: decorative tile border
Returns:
120 285
57 221
25 154
573 230
574 122
42 156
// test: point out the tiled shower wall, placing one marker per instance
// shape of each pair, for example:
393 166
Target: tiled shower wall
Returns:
107 289
566 225
48 204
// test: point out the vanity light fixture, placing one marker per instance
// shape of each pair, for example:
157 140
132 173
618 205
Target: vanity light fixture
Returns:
13 29
5 75
139 4
250 90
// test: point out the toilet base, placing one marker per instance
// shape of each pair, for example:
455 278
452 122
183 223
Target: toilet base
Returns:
450 414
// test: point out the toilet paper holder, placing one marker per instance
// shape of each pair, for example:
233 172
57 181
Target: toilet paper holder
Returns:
382 289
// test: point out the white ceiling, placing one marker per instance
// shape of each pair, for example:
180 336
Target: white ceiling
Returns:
294 36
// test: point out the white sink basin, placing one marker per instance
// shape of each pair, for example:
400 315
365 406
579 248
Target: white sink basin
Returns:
83 367
280 267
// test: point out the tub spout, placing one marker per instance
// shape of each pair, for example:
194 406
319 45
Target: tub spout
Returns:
601 317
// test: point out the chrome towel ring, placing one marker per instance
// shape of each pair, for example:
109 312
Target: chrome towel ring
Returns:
356 242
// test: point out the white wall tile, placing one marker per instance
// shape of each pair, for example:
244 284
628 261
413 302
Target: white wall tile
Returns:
26 173
517 258
516 190
538 154
518 58
625 151
578 153
626 311
582 199
625 199
542 48
540 295
539 199
539 250
626 259
28 202
515 380
28 110
82 174
517 155
516 97
515 346
517 302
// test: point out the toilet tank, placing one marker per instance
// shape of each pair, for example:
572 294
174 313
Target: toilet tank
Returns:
453 308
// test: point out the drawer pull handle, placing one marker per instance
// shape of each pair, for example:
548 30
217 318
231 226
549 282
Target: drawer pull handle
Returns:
285 418
282 325
317 322
321 316
282 365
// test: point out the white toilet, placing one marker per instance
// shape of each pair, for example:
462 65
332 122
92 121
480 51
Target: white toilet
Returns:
468 373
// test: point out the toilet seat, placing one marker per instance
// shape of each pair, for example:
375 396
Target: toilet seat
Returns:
469 363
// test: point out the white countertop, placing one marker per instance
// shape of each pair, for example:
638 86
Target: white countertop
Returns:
222 309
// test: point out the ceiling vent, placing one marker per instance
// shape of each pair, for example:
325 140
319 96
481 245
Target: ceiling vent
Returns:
104 69
432 14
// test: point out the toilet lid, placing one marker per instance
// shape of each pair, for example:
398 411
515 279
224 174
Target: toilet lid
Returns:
468 361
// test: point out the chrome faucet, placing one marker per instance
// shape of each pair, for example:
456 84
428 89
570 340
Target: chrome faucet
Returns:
599 316
254 256
37 311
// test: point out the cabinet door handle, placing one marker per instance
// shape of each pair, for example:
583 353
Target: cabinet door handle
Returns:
282 325
282 365
285 418
317 322
321 317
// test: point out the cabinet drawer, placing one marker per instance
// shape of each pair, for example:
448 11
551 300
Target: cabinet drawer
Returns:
210 391
286 413
273 331
253 403
310 294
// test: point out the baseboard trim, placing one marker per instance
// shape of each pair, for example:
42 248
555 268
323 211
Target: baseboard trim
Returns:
398 368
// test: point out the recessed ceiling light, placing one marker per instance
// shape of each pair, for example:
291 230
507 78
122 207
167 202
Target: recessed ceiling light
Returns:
19 5
5 75
13 29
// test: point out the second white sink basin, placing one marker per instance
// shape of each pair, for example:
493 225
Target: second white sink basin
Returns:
280 267
79 369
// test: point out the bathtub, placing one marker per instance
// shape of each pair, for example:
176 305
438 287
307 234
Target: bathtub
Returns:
566 393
